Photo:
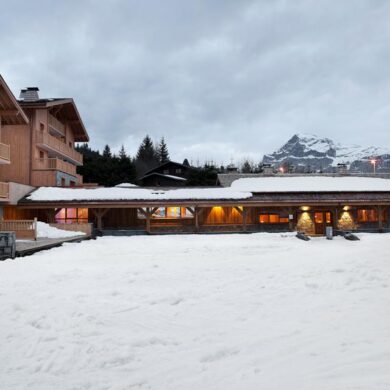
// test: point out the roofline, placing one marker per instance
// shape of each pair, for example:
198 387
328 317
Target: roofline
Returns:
161 165
13 99
57 102
178 178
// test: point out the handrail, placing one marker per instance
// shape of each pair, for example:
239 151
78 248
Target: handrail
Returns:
56 124
42 164
58 145
20 225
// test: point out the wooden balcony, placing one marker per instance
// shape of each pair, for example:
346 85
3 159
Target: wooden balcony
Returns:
5 155
4 191
58 147
55 125
54 164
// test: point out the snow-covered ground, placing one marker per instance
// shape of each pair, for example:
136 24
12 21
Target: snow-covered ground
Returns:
44 230
260 311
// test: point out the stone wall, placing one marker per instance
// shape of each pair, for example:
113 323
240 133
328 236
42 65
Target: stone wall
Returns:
346 221
305 223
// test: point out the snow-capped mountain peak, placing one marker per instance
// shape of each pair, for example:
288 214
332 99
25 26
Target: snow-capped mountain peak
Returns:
310 150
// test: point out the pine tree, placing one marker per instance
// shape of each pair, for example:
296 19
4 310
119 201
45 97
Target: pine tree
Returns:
162 152
146 151
122 152
186 163
247 167
107 152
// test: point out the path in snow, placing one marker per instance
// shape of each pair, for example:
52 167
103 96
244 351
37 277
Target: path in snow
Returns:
260 311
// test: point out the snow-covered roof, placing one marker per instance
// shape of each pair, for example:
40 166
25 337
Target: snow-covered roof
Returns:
52 194
126 185
311 184
164 175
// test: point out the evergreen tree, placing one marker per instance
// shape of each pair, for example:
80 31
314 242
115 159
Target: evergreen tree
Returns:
122 152
186 163
205 176
107 152
247 167
162 152
146 156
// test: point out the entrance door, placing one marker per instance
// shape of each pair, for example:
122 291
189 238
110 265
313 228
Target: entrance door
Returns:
322 219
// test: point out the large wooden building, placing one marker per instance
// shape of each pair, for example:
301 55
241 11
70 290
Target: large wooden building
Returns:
42 140
306 204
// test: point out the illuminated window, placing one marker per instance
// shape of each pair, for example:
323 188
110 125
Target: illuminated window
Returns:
173 212
72 216
368 215
318 217
272 218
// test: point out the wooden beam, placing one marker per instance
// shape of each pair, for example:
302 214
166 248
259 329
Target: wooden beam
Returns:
290 221
99 213
198 213
244 214
9 112
380 217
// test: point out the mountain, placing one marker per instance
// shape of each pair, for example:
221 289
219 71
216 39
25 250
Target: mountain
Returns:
309 152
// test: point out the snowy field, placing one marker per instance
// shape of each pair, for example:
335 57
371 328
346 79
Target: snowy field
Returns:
242 312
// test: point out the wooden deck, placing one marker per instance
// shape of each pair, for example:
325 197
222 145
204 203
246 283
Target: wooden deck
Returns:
26 248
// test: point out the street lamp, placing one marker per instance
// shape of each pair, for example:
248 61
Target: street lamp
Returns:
373 162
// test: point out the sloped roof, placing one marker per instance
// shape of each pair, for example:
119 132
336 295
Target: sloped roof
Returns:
10 111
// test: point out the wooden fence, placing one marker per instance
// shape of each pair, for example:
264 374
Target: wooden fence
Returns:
25 229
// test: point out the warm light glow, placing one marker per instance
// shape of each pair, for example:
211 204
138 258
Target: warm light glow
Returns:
373 162
305 208
346 208
281 170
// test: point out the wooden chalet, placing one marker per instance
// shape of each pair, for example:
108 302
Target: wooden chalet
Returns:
220 209
43 146
169 174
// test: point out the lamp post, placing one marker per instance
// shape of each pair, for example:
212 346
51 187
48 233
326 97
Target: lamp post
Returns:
373 162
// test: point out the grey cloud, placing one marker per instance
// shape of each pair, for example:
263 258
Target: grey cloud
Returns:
218 79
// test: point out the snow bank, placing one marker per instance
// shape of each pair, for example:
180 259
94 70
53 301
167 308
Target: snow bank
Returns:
126 185
231 312
44 230
311 184
117 193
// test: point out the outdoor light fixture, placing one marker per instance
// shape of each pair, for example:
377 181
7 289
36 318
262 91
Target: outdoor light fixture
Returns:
373 162
305 208
346 208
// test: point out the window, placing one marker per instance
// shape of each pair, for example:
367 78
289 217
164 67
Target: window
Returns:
178 170
41 155
168 213
63 182
70 144
41 126
166 171
272 218
367 215
72 216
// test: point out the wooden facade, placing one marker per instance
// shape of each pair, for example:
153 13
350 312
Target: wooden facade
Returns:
261 212
42 142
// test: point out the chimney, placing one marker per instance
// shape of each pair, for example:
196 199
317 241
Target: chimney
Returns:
29 94
342 169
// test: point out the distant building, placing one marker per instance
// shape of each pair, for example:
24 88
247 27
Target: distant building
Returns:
169 174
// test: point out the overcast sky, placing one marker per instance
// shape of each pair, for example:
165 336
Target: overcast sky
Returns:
218 79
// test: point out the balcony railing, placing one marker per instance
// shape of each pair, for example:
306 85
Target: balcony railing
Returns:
4 190
4 154
56 125
54 164
56 145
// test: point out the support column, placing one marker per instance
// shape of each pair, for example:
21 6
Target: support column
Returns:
290 221
244 215
99 213
198 213
380 218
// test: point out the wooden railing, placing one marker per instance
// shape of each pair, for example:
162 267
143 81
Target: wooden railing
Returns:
56 125
5 152
4 190
54 164
59 146
24 229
